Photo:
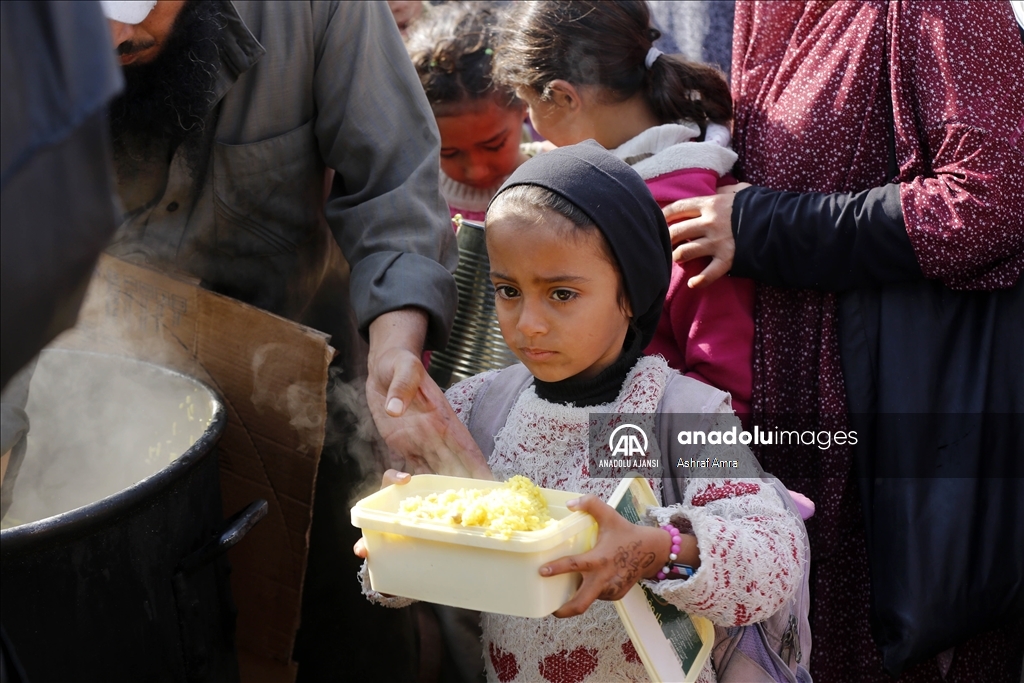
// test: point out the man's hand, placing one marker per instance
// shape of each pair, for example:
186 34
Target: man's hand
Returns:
705 230
410 410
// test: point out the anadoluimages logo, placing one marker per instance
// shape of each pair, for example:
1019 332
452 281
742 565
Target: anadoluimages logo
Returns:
628 441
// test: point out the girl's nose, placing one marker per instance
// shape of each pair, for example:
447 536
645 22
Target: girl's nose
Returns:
476 171
531 321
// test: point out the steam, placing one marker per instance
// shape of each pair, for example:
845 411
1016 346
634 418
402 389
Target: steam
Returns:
352 434
99 424
299 400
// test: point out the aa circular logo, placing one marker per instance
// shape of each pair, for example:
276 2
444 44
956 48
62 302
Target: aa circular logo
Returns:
628 440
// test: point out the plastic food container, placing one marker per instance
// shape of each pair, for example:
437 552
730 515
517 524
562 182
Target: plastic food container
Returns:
462 566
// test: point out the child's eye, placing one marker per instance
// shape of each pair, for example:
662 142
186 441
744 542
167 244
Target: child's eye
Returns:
449 153
497 146
563 295
506 291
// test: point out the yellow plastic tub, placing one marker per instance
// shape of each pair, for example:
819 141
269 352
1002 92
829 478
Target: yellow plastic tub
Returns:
463 566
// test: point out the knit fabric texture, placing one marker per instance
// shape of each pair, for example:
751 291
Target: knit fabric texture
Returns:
750 546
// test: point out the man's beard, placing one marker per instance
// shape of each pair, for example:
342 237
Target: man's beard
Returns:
165 102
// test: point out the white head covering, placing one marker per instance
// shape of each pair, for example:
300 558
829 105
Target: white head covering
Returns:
127 11
1018 11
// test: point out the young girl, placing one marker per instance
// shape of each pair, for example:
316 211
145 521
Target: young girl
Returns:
481 123
580 260
589 70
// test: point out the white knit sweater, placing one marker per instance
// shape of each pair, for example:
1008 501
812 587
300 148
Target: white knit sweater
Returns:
750 546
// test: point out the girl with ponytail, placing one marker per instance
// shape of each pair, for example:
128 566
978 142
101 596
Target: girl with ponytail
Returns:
590 70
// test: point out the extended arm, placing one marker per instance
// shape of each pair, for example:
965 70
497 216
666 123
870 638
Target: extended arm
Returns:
822 241
375 128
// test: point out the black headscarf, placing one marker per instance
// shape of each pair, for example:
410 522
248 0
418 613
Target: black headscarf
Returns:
618 202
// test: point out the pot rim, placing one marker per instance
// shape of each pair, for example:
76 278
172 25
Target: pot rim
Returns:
80 520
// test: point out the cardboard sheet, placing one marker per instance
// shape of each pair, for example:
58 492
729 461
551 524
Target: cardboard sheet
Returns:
272 375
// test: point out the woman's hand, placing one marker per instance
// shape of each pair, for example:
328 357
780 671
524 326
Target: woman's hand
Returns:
624 554
390 477
705 229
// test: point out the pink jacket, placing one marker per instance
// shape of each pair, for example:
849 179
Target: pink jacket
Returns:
707 334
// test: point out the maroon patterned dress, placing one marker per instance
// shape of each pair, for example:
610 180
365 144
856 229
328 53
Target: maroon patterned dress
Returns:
811 112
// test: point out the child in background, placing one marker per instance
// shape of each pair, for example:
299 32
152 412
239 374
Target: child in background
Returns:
481 123
589 70
406 13
580 259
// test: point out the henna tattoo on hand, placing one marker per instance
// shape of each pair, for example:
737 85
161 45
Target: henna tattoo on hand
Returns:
630 562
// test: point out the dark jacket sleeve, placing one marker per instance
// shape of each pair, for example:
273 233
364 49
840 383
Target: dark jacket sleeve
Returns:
57 189
829 242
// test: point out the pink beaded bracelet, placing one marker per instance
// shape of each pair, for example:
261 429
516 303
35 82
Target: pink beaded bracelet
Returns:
671 567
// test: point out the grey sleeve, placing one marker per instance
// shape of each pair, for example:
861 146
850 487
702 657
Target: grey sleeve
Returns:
375 128
828 242
14 426
13 418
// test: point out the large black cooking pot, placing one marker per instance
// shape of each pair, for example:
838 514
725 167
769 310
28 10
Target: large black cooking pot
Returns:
114 569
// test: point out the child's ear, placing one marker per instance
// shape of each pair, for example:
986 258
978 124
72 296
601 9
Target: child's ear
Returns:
565 94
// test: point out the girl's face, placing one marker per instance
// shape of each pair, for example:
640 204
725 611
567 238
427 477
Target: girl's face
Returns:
557 296
480 146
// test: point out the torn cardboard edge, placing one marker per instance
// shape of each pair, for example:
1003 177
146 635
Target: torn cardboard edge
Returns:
271 374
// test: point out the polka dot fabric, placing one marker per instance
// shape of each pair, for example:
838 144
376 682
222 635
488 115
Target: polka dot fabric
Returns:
811 112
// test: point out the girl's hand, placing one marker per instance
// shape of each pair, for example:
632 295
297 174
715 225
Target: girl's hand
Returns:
705 229
624 554
390 477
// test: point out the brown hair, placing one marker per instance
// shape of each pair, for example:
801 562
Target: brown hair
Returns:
606 44
452 48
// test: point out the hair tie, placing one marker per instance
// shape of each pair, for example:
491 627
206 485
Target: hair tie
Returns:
652 56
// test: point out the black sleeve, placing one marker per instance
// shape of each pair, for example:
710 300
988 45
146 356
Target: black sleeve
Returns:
829 242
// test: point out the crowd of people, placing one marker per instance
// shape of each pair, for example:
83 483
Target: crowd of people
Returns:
787 238
848 125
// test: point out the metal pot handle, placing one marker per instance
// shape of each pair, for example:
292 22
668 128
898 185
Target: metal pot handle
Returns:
197 630
235 528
